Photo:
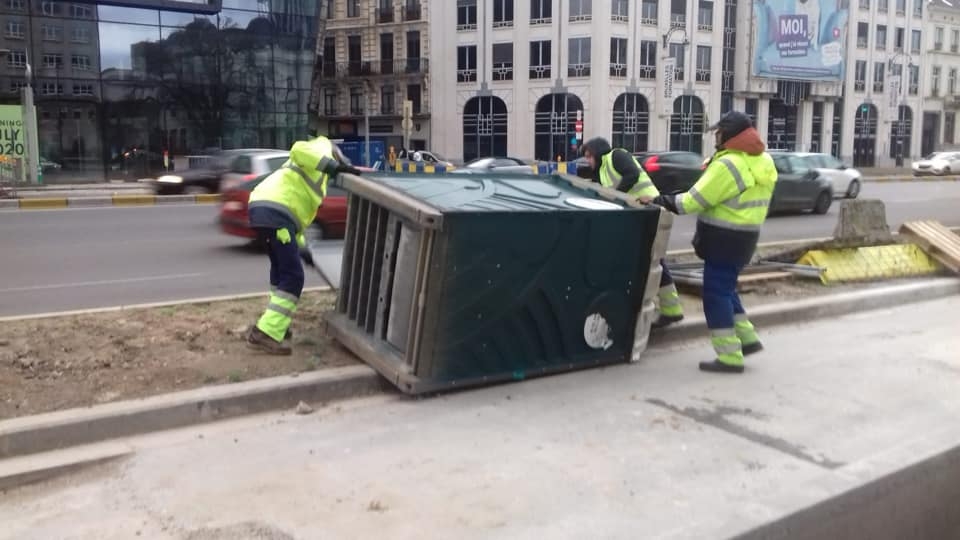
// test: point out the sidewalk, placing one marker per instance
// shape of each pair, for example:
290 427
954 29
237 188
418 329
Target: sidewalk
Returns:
652 450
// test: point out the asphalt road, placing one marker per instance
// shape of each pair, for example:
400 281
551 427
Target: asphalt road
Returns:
85 258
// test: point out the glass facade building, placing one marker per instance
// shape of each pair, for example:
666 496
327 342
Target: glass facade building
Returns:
113 81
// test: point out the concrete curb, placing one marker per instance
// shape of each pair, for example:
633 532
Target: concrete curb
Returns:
73 427
890 179
24 470
48 203
821 307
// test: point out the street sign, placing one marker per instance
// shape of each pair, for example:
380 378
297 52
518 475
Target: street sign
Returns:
669 71
579 115
893 95
406 124
578 127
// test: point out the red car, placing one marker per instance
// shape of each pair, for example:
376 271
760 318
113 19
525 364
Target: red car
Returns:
331 221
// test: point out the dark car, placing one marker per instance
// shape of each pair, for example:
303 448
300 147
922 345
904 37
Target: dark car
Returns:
799 187
672 172
227 166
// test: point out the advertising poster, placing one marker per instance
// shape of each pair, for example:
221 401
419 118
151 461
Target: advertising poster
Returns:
12 143
800 39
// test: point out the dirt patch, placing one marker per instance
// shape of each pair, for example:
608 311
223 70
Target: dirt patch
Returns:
57 363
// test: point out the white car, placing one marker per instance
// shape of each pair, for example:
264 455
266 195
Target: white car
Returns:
846 180
245 165
938 164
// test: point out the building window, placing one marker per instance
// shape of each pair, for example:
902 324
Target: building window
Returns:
413 52
705 16
50 9
17 5
901 7
864 5
955 41
704 53
938 38
51 33
648 60
485 122
915 41
14 30
80 11
412 11
330 103
388 100
80 62
540 60
879 69
648 13
618 57
678 13
863 31
726 83
918 8
356 101
676 51
883 6
466 15
353 8
579 65
329 64
541 12
952 82
385 12
881 37
51 89
620 10
860 76
386 54
914 80
52 61
16 86
83 89
631 122
581 10
898 40
414 95
502 13
80 34
949 127
503 61
17 59
355 56
935 82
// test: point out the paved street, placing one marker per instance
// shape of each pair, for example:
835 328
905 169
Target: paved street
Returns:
83 258
652 450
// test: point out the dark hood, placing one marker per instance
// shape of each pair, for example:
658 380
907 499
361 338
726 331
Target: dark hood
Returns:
598 146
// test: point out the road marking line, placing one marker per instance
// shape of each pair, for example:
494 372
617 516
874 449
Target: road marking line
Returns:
104 282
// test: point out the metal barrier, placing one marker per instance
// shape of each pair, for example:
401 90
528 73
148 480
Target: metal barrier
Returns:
545 168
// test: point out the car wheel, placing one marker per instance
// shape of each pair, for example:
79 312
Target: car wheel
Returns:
824 200
853 189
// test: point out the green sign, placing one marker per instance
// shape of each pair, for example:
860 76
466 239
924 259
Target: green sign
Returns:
12 143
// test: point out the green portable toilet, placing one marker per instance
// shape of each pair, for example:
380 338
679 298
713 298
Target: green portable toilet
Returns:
460 281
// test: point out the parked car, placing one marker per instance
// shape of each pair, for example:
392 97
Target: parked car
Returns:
672 172
330 222
430 158
938 164
846 180
496 164
799 186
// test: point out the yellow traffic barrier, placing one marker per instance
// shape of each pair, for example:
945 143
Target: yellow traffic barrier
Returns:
43 203
134 200
874 262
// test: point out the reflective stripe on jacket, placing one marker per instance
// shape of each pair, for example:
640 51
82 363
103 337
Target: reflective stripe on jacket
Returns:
733 193
610 177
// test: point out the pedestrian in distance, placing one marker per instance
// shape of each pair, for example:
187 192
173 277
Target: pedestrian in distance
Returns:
730 200
618 169
281 208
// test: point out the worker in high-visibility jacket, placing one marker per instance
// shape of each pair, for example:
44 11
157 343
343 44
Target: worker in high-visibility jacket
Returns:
618 169
281 208
730 200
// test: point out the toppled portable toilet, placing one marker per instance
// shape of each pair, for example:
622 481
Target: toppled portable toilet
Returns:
454 281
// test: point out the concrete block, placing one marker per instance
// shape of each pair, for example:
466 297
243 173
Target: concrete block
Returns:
863 221
44 203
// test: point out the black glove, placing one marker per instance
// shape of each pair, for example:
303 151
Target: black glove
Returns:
667 201
348 169
307 256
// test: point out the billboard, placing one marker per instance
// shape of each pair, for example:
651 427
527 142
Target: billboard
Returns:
800 39
12 143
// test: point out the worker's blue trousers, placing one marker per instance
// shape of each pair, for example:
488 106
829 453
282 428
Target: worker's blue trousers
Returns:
720 299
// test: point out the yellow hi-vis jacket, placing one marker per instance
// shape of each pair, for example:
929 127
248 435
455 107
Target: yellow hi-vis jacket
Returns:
733 193
609 177
298 188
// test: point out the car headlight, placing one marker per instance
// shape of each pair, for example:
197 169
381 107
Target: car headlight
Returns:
170 179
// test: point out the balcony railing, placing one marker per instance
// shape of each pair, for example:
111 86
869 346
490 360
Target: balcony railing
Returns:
914 89
677 20
878 86
373 68
859 86
578 70
412 12
647 72
466 75
385 15
678 74
540 72
861 43
618 71
703 75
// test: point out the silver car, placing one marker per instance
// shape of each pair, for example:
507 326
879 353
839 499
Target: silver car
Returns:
247 165
846 181
496 165
938 164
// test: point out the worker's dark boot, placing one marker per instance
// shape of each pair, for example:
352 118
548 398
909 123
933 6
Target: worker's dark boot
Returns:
717 366
751 348
289 335
260 341
664 321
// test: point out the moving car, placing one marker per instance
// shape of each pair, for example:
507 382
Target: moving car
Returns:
429 158
496 164
938 164
799 186
331 220
208 178
672 172
846 180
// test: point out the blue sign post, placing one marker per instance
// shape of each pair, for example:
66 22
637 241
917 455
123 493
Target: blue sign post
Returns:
799 39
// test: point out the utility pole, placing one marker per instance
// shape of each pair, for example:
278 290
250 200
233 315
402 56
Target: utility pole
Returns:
366 120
